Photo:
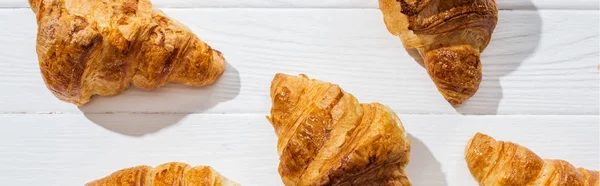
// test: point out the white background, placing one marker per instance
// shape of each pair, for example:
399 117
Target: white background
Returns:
540 89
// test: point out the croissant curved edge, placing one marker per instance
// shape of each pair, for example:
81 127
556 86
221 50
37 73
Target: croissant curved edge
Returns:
450 36
326 137
502 163
173 173
102 47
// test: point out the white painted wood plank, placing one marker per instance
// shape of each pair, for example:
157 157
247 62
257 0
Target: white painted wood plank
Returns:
539 62
503 4
71 149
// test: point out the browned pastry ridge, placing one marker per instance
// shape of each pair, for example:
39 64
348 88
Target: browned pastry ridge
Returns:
449 35
101 47
327 138
169 174
501 163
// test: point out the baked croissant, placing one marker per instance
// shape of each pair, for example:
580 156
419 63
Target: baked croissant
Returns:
504 163
89 47
179 174
449 35
327 138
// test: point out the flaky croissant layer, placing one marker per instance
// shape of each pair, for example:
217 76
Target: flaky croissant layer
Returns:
327 138
499 163
449 35
89 47
171 174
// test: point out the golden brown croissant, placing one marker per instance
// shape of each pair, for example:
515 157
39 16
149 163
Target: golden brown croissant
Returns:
170 174
327 138
88 47
504 163
449 35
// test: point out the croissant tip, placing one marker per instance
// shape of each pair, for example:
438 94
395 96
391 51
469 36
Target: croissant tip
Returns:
481 138
218 57
478 141
454 103
480 135
454 100
77 102
219 53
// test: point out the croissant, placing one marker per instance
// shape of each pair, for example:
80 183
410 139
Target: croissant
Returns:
327 138
100 47
165 174
449 35
504 163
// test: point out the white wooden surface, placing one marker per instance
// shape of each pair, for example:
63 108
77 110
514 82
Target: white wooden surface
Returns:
541 88
539 62
71 149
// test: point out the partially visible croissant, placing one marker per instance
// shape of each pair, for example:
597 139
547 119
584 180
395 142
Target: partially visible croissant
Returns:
89 47
171 174
498 163
449 35
327 138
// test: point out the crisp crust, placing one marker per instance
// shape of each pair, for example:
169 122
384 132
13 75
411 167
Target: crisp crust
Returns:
449 34
327 138
167 174
500 163
443 16
101 47
455 70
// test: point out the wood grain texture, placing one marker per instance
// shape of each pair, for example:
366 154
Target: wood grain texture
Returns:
538 62
541 64
71 149
503 4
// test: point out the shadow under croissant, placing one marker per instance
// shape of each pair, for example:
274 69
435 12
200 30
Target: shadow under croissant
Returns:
423 168
137 112
505 53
